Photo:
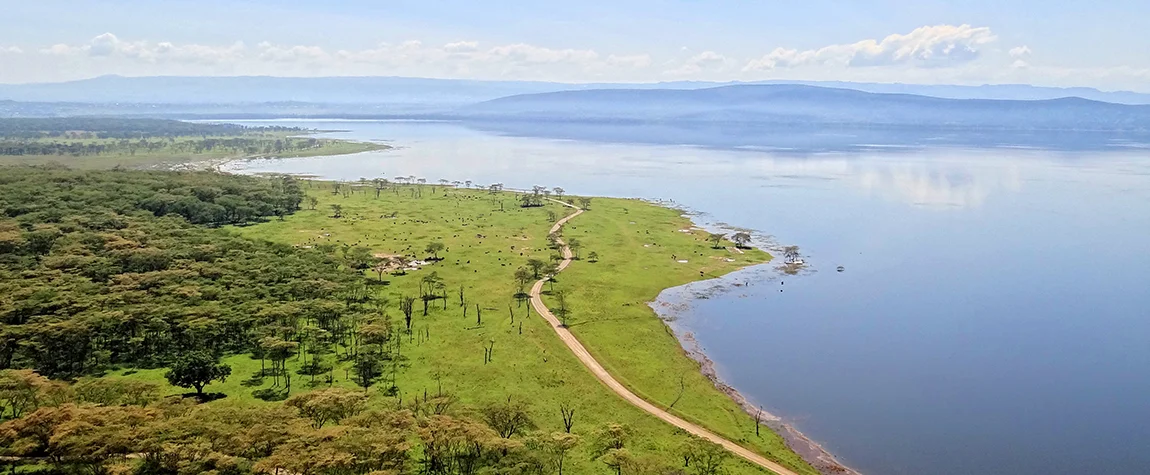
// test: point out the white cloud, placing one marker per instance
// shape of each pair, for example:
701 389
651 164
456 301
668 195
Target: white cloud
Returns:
462 47
938 45
1019 51
934 54
527 54
637 61
291 54
707 61
109 45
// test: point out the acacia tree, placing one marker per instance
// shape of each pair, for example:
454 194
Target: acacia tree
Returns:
327 405
536 266
368 367
716 239
559 444
22 391
312 202
561 306
434 248
196 370
401 263
575 246
593 256
380 185
278 350
508 417
741 239
609 445
380 268
707 457
522 277
337 211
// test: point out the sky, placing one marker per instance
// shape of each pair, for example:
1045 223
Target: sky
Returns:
1065 43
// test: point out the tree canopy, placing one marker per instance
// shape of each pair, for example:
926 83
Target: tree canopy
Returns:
196 370
105 127
107 268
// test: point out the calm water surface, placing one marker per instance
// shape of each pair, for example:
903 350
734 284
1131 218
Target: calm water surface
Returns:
994 312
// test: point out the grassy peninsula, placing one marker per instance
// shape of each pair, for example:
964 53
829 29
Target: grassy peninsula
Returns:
101 143
376 304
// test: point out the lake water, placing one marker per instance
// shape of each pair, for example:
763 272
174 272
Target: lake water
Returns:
994 312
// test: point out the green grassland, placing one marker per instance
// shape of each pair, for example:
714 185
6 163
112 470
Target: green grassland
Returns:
639 246
180 150
487 237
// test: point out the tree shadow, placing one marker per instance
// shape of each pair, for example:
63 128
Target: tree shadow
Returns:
202 398
270 394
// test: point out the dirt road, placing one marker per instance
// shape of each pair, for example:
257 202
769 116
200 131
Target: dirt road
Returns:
601 373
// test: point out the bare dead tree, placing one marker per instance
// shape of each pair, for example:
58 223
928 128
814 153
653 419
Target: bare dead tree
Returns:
568 413
682 389
758 419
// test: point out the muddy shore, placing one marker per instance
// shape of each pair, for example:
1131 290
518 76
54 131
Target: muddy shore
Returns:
675 302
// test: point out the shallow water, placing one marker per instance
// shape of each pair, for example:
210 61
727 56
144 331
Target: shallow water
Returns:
993 315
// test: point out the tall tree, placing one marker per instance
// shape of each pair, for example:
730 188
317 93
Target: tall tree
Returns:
741 239
523 276
558 444
197 369
716 240
434 248
508 417
536 266
328 405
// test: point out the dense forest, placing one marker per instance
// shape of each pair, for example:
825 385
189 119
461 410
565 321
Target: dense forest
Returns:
102 270
107 268
89 137
248 145
117 128
120 426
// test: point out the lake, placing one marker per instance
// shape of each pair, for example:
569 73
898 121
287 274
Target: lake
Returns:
992 316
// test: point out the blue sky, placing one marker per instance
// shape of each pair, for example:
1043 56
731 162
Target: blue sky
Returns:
1066 43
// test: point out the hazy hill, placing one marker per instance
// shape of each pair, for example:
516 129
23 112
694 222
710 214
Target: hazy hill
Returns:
810 105
1020 92
421 94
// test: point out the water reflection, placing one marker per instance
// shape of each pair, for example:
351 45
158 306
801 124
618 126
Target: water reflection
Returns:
806 140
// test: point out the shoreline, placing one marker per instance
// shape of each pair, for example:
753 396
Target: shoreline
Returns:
809 450
673 301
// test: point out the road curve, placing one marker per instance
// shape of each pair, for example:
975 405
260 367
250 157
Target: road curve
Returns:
597 369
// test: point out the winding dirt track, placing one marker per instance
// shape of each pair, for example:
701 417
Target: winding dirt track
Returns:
601 373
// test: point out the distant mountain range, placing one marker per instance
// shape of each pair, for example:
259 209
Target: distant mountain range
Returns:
403 93
800 105
1003 108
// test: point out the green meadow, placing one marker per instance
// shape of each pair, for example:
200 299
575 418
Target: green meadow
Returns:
486 237
178 151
